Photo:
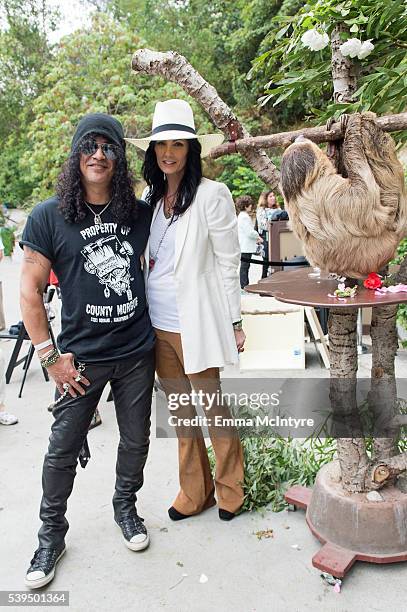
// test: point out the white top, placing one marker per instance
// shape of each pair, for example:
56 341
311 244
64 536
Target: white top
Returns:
247 234
261 216
161 289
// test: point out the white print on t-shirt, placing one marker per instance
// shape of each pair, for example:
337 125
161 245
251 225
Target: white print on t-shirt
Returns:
109 259
103 228
104 314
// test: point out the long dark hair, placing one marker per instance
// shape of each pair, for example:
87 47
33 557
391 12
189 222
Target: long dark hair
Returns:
189 184
70 192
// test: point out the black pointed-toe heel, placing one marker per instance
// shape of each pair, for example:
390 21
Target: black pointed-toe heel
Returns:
225 515
175 515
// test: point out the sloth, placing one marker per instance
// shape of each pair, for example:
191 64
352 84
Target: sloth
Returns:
349 226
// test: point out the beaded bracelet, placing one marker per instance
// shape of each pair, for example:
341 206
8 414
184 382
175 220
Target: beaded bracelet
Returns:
50 359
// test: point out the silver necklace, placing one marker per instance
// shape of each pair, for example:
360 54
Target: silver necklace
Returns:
153 258
98 215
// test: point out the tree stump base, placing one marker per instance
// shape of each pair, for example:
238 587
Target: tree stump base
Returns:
351 527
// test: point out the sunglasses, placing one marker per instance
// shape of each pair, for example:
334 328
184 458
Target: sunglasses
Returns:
89 147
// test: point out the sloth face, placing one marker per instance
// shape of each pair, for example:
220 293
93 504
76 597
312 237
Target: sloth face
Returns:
297 166
302 163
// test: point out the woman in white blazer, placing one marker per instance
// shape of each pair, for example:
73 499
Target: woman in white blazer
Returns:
194 302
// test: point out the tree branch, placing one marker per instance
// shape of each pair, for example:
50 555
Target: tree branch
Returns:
174 67
386 471
389 123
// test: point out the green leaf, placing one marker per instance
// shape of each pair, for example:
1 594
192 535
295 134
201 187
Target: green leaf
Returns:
284 96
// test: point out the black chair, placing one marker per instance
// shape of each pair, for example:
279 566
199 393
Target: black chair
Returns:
19 338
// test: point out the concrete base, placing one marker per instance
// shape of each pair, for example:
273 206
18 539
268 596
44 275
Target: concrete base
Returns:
351 527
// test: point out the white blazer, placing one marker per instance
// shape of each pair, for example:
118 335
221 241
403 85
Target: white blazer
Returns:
206 264
247 234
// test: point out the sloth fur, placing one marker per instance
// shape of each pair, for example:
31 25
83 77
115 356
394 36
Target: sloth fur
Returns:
350 226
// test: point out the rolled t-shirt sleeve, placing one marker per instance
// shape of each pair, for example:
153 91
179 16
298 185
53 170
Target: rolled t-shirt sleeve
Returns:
37 235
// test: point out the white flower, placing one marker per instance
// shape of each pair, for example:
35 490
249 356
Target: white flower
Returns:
365 49
314 40
351 47
355 48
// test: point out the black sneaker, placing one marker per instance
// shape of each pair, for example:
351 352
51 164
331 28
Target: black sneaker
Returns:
42 568
134 532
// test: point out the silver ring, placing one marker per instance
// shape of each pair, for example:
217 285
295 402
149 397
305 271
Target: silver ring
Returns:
78 378
66 386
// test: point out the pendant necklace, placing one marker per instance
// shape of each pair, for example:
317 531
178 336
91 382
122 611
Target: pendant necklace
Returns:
167 199
153 258
98 216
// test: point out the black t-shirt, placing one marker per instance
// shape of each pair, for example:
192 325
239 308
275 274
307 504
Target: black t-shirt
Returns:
104 311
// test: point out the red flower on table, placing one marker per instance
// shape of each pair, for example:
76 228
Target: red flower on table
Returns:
373 281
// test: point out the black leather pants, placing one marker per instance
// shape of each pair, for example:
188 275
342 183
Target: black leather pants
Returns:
132 383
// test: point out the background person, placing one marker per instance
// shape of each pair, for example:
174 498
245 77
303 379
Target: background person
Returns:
274 211
248 237
262 228
5 417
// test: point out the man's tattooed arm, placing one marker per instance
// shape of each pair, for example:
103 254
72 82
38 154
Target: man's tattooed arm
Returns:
34 278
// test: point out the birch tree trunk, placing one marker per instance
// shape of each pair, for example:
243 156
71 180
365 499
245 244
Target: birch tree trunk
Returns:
343 357
383 394
387 463
174 67
344 76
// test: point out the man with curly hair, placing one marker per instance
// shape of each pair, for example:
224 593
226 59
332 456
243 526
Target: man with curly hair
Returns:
93 234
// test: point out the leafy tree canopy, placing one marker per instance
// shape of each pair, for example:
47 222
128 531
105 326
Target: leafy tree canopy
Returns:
23 52
300 80
90 72
237 46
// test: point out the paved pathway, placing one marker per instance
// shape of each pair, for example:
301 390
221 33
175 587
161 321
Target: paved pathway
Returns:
244 574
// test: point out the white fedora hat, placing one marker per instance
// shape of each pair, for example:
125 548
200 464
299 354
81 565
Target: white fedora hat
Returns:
174 120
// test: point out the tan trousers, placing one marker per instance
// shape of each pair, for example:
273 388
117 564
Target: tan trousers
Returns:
196 484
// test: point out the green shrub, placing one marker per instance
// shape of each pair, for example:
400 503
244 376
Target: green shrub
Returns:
8 238
272 465
241 179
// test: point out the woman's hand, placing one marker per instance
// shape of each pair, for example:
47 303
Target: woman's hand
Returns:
259 240
240 338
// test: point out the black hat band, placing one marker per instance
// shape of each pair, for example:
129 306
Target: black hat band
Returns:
173 127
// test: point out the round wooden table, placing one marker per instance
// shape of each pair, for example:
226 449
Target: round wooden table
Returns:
304 287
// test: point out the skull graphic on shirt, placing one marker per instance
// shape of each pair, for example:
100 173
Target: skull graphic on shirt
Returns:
109 259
